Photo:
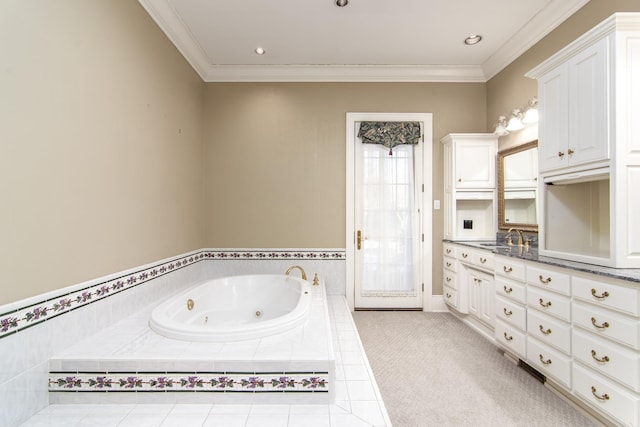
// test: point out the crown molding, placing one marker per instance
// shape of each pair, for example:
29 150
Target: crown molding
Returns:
531 33
161 11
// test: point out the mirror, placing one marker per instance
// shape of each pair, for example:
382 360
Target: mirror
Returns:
518 187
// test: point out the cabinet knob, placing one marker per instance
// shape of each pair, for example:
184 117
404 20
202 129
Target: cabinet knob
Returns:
570 151
560 154
459 179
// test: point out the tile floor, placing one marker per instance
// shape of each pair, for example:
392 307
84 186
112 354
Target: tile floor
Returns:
358 400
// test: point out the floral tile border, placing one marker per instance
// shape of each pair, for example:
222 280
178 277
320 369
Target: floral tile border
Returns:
24 317
219 382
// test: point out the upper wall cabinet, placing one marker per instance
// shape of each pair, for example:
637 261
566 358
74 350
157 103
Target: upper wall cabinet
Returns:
470 185
589 146
574 109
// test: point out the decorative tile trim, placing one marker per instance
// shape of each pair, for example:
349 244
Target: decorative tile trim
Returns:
25 317
274 254
216 382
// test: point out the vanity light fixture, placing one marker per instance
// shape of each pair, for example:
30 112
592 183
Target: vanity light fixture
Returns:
531 115
342 3
473 39
515 122
501 127
260 51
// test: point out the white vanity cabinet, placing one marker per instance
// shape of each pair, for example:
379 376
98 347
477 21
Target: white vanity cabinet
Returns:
606 346
510 305
470 185
454 296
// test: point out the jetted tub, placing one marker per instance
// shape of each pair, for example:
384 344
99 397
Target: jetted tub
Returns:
234 308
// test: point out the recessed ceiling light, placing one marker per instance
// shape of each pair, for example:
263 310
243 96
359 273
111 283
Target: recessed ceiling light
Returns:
473 39
342 3
260 51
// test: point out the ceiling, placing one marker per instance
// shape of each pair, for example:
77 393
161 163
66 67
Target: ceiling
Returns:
368 40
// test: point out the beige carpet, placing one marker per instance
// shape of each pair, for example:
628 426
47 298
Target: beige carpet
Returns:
433 370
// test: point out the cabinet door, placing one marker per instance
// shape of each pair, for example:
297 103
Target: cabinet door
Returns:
553 130
475 164
475 296
588 106
488 314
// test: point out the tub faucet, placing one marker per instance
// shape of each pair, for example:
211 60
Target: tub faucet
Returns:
304 275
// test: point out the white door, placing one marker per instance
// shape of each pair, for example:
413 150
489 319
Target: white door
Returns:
388 222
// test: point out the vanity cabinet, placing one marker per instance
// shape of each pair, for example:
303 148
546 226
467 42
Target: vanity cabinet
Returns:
454 296
481 296
510 306
470 185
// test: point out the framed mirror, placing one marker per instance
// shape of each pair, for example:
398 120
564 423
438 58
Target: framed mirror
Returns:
518 187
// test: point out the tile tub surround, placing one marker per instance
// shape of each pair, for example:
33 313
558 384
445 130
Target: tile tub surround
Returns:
358 401
129 358
34 329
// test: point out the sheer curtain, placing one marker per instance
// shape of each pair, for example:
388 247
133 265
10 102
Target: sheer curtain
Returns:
390 221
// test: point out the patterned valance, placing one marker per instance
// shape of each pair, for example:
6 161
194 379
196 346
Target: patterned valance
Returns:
390 134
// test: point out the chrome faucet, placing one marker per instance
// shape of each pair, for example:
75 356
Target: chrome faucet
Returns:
304 275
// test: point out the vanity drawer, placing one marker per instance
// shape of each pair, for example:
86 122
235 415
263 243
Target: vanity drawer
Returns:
549 330
509 267
615 297
610 359
451 297
449 264
550 303
450 250
512 339
549 279
605 395
483 259
511 312
450 279
607 323
549 361
511 290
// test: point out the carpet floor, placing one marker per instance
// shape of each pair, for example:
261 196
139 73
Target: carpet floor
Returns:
434 370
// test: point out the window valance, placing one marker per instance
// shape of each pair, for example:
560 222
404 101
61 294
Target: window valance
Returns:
390 134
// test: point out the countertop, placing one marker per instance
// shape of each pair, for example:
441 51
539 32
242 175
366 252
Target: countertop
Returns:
531 254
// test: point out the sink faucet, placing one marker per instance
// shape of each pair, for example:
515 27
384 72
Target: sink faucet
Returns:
304 275
521 240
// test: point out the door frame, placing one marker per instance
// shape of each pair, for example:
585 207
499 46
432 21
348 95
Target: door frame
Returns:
425 209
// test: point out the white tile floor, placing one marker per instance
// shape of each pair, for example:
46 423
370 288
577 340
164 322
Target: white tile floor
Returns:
358 401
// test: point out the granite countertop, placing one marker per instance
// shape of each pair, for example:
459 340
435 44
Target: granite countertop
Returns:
531 254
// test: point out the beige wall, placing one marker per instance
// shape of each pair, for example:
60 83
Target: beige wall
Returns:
100 144
510 89
275 156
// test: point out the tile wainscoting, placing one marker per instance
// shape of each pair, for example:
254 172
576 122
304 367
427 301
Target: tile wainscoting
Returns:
35 329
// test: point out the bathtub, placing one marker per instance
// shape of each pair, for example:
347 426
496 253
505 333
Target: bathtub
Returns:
234 308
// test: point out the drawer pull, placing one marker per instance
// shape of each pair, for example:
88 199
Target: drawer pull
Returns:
603 295
544 331
448 279
507 337
507 269
543 280
597 396
546 362
483 260
448 264
604 325
448 251
507 312
465 255
604 359
544 304
448 295
508 290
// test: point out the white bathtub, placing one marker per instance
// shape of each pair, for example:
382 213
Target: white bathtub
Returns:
234 308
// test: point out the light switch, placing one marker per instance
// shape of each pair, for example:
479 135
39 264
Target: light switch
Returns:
436 204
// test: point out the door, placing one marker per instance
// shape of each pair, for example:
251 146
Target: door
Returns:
388 201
